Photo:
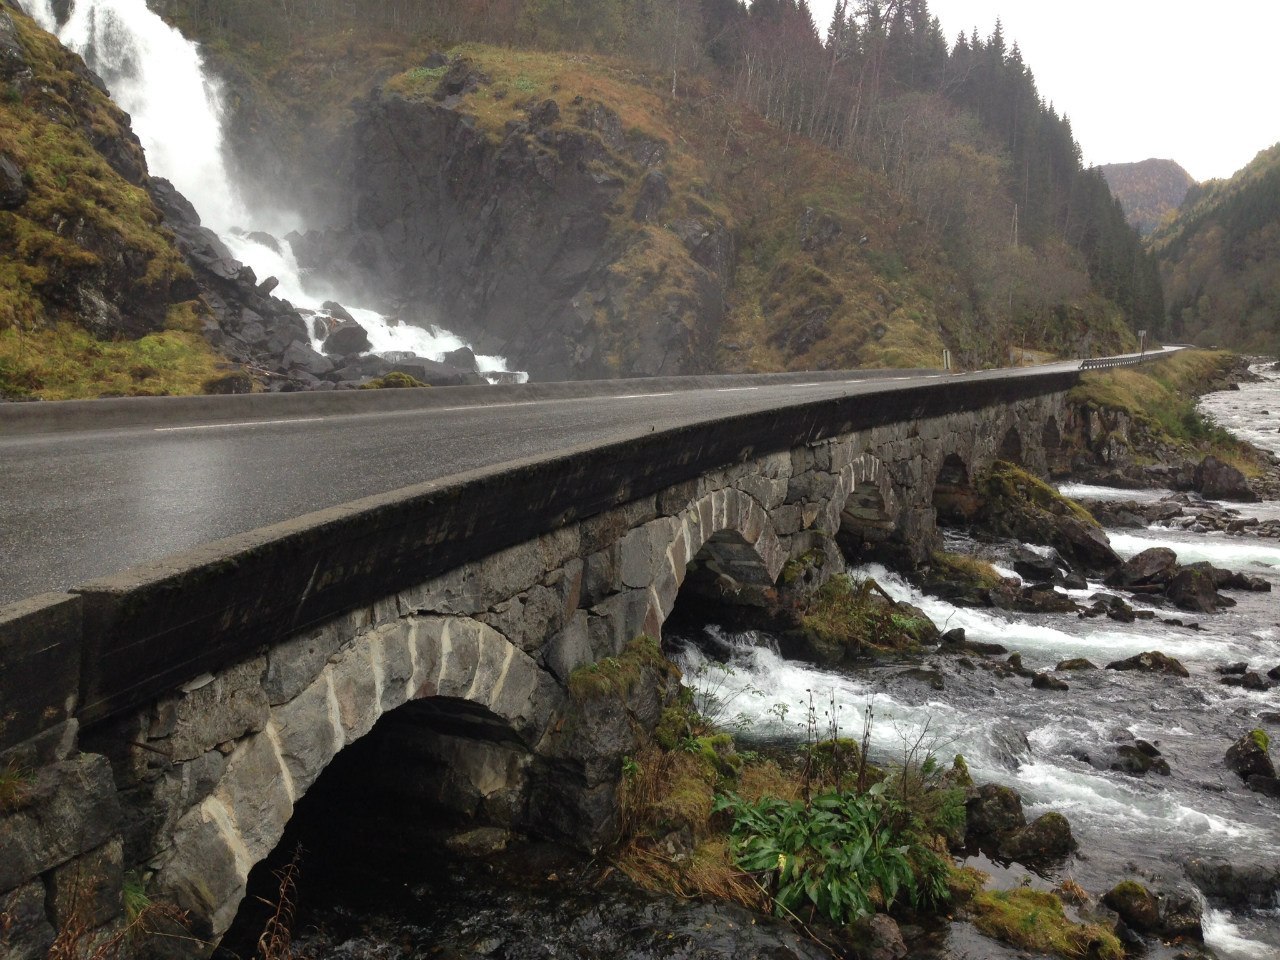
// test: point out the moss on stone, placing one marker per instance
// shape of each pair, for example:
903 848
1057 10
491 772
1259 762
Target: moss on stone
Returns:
1034 920
1007 486
959 568
618 676
1260 739
394 380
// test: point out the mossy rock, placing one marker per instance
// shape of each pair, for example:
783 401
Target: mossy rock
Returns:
394 381
1137 906
1035 920
618 676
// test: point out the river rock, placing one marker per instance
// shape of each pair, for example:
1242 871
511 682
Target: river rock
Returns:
302 356
1033 567
1031 599
1236 885
1047 681
1136 905
1139 758
1249 680
1076 663
993 811
1250 756
1046 837
463 359
1151 662
1157 565
879 938
1221 481
337 311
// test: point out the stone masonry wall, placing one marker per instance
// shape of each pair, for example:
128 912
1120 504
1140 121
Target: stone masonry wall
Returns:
201 784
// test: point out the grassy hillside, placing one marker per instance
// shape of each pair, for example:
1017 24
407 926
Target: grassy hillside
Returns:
1220 260
92 289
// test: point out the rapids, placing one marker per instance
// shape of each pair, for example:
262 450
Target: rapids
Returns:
159 78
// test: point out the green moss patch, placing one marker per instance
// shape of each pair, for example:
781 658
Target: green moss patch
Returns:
618 676
1035 920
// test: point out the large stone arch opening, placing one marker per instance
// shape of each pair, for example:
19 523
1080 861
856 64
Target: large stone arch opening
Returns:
954 498
725 563
455 705
871 510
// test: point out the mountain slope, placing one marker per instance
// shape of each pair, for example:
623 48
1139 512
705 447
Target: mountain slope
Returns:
1220 260
1149 191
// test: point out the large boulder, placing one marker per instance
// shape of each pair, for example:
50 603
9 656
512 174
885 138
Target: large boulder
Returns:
1046 837
993 812
1195 588
1157 565
1221 481
1236 885
1137 906
1250 756
346 339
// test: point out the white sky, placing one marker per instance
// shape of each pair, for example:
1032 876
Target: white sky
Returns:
1198 83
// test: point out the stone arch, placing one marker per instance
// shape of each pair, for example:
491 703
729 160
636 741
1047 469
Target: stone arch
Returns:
1011 449
451 659
954 498
868 502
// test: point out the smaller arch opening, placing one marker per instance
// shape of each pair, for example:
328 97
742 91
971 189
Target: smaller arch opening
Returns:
954 498
1011 447
1056 456
725 583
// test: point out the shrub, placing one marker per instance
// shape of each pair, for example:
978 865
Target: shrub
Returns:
842 856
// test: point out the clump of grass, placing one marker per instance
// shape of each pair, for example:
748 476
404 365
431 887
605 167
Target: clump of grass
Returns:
960 568
618 676
1035 920
844 613
16 782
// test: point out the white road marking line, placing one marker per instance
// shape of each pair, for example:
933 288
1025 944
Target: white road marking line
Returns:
237 423
734 389
638 396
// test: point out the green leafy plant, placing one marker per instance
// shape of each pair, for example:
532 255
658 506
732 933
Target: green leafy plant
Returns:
842 856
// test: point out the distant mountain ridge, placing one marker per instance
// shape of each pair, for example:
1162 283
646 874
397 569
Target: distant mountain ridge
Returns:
1148 191
1220 260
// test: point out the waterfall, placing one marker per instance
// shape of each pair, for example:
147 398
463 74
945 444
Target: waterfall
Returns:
159 78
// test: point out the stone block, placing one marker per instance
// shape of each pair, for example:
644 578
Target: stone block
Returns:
603 575
787 519
69 808
294 663
309 732
355 688
203 875
644 551
30 934
89 890
396 664
230 705
601 531
569 649
257 793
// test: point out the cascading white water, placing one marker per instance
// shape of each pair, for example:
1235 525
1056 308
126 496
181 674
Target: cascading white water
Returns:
158 76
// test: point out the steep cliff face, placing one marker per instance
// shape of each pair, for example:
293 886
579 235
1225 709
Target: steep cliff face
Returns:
557 241
1149 191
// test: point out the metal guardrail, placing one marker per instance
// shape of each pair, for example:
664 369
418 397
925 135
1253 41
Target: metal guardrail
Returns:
1128 360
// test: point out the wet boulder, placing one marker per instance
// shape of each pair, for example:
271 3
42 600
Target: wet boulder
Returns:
1047 681
1045 838
1157 565
1031 599
1034 567
1076 663
993 812
1139 758
878 938
337 311
299 356
1233 884
1229 580
463 359
1217 480
1249 680
1136 905
1152 661
1250 756
1195 588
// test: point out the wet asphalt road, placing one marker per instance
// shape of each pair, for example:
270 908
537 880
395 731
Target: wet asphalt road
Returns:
80 504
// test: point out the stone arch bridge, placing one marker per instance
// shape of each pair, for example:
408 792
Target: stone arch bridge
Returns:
176 713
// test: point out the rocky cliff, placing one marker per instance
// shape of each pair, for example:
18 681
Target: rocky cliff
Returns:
1149 191
557 240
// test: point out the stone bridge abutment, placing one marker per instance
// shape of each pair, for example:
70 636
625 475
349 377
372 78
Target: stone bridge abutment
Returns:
478 658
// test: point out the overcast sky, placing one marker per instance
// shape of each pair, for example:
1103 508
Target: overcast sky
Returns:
1196 83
